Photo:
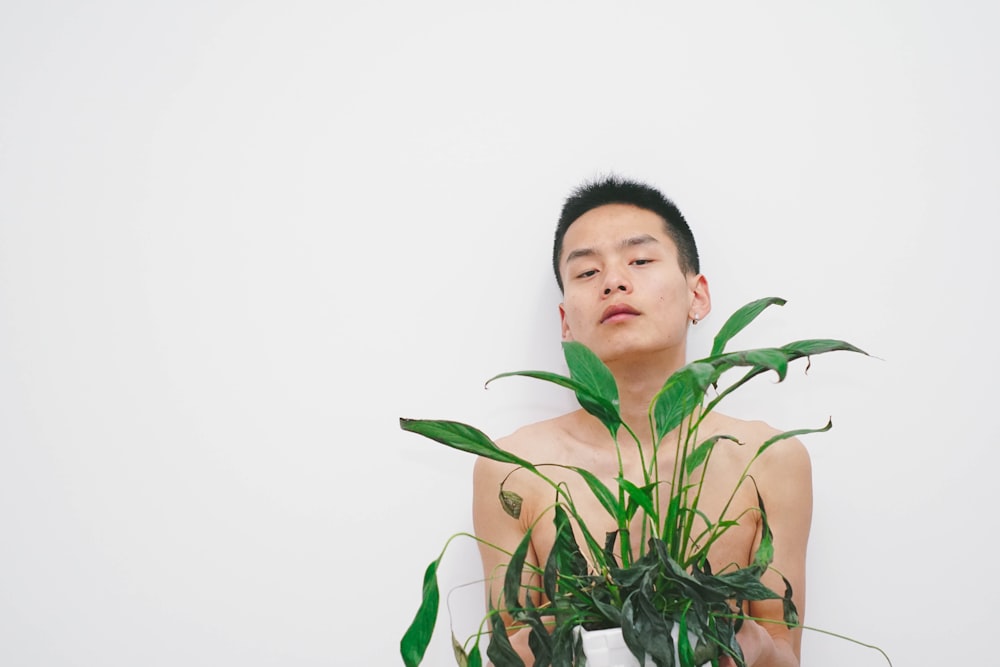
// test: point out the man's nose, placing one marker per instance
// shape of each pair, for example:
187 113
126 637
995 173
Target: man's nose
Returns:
616 281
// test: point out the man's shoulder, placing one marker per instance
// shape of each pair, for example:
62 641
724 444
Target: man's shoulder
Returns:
754 434
536 442
530 434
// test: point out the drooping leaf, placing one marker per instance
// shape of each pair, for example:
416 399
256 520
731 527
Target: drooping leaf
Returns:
511 503
761 359
513 576
566 647
743 584
791 614
776 359
740 319
539 639
785 435
590 379
764 555
417 637
565 560
814 346
500 652
612 614
460 655
646 631
605 409
692 585
462 437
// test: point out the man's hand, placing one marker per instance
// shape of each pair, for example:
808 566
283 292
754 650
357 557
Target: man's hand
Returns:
756 643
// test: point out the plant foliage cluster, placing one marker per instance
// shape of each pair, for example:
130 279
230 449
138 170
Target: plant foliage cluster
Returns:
668 580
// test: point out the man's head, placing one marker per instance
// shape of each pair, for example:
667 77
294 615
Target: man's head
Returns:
615 190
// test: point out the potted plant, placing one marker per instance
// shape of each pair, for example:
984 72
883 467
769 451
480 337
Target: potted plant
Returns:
669 607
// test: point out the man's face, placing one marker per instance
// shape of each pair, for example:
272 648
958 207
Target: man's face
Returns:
624 291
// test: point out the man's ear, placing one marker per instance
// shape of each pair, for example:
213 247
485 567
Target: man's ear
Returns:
701 299
566 333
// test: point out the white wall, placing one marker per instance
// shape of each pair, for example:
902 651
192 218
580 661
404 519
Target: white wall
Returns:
239 240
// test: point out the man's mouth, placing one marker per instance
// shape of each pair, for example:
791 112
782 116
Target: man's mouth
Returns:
618 312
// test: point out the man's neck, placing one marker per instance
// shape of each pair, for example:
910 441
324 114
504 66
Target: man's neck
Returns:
639 380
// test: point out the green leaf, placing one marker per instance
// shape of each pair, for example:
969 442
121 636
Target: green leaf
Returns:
744 584
418 636
740 319
812 346
475 657
776 358
565 559
791 614
765 550
500 652
587 368
646 631
601 397
512 578
701 452
785 435
462 437
639 497
539 640
602 493
685 652
762 359
604 409
680 395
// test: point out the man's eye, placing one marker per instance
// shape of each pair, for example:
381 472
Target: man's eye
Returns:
640 262
587 274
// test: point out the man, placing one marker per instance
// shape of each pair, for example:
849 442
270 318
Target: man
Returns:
628 267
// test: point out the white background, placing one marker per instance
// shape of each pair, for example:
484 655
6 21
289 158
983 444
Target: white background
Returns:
238 241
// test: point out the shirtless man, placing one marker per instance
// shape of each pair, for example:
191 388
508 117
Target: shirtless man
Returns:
628 268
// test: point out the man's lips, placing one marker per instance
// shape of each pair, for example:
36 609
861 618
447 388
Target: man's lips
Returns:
618 312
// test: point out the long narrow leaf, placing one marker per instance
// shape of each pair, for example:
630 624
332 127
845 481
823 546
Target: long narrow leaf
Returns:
701 452
475 657
765 550
462 437
813 346
417 637
565 559
513 576
740 319
785 435
685 653
791 614
604 409
500 652
602 493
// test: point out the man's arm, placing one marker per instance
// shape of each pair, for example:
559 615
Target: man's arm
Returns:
784 478
500 534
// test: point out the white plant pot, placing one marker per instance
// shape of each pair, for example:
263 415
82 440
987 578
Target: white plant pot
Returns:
607 648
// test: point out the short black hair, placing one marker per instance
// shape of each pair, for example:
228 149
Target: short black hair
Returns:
618 190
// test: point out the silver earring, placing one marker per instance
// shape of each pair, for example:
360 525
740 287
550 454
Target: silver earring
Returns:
694 320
